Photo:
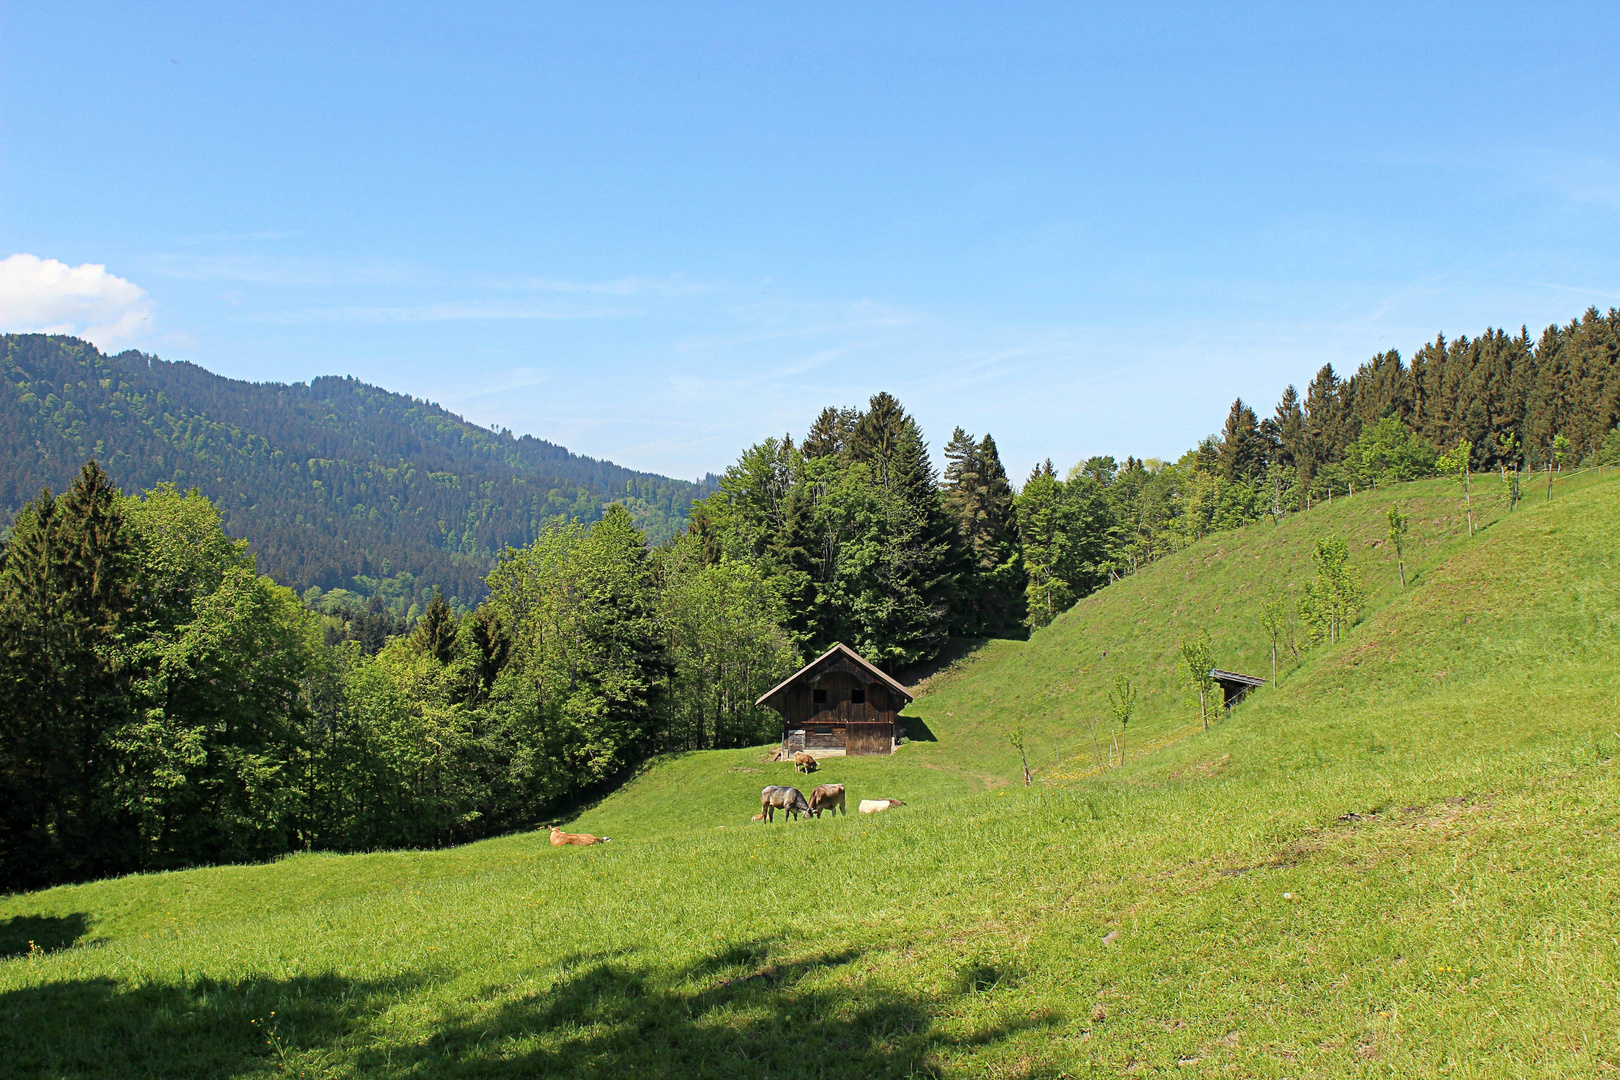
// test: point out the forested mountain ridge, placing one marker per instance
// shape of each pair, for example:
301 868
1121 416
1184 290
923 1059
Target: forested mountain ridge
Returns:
335 483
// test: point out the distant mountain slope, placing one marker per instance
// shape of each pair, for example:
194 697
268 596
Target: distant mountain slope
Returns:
336 483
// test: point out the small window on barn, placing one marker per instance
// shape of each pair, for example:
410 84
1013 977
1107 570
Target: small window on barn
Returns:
818 697
857 697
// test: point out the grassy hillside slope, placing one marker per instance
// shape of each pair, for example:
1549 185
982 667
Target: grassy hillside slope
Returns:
1403 860
1053 684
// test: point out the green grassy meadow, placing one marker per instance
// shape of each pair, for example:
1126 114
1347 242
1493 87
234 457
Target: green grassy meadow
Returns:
1402 860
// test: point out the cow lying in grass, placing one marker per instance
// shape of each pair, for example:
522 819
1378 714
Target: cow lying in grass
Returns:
775 797
583 839
877 806
828 797
804 762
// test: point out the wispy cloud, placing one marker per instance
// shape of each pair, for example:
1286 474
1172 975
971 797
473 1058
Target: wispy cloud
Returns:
441 312
623 286
280 270
1579 290
516 379
48 296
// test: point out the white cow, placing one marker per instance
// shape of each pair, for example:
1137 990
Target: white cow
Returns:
877 806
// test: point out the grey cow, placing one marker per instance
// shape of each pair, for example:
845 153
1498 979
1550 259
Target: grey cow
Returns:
775 797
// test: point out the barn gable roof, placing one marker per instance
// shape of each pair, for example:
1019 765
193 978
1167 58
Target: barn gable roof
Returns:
839 651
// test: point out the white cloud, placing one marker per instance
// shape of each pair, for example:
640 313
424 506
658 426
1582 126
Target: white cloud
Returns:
46 296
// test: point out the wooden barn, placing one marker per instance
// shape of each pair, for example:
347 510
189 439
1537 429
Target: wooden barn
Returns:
838 704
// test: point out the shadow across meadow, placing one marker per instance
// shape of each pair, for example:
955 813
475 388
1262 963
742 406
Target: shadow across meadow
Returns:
740 1012
24 934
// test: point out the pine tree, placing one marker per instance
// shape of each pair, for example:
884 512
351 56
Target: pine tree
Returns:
66 591
978 498
1293 447
875 438
829 435
1324 415
436 630
492 647
1242 454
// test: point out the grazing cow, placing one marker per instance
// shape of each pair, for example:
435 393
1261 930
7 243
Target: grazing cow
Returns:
828 797
583 839
804 762
877 806
789 799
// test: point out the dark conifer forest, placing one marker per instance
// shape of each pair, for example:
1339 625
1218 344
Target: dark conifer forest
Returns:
336 484
173 694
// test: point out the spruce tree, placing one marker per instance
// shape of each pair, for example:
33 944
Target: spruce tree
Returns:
1242 453
978 498
1325 415
875 437
492 647
437 628
1293 450
829 435
66 591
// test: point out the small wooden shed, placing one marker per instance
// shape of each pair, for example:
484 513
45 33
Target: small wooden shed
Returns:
1233 685
838 704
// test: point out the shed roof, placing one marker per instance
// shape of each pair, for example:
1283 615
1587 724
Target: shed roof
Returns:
1232 676
841 650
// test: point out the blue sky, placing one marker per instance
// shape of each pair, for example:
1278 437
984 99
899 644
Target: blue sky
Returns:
659 233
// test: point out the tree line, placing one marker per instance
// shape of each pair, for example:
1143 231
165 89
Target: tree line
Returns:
163 704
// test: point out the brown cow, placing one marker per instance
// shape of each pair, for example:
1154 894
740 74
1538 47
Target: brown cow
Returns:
776 797
805 763
828 797
583 839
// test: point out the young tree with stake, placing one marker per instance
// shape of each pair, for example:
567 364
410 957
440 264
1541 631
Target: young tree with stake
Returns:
1196 653
1398 523
1016 737
1556 451
1509 446
1121 700
1274 617
1334 598
1457 462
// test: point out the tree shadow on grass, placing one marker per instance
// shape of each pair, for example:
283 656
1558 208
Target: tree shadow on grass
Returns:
21 935
102 1027
740 1012
736 1013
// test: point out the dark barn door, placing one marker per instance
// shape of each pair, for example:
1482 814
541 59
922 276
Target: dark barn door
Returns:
870 739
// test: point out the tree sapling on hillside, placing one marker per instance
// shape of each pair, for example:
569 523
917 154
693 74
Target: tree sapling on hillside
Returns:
1556 452
1121 700
1398 523
1274 617
1200 661
1334 598
1458 462
1508 454
1016 737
